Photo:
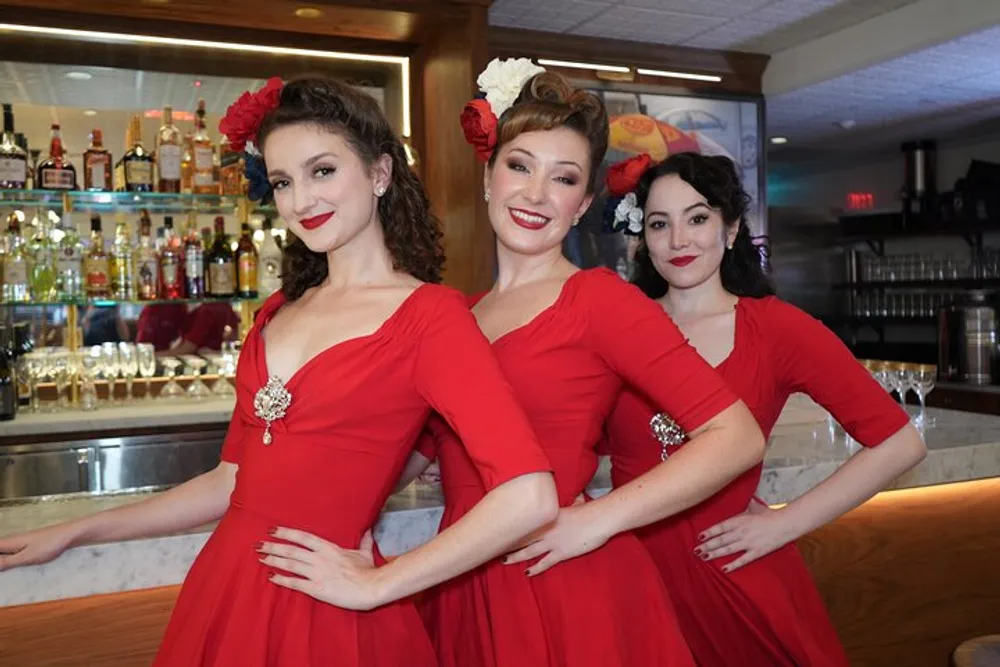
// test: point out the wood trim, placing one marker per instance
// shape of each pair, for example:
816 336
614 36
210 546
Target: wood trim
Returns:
741 72
911 574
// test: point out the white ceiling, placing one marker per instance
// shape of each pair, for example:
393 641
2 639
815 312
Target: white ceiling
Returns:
900 69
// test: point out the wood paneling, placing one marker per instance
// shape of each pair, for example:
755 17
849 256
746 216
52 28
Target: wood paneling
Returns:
965 399
911 574
741 72
117 630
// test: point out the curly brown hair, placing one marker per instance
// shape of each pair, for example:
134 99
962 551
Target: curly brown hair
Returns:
547 101
412 234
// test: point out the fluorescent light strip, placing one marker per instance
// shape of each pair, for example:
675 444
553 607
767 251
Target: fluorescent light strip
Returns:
402 61
680 75
573 65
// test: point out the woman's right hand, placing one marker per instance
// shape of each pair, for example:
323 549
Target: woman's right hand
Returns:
36 547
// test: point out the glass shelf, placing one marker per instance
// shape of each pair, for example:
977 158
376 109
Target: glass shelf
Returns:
154 202
119 302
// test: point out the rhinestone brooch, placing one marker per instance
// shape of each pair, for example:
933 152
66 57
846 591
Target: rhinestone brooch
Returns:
270 404
667 432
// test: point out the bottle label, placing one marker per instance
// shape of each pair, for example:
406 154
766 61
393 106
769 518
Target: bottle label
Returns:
246 272
169 161
269 273
121 275
170 271
95 273
221 279
58 179
13 170
97 168
15 273
146 278
138 172
68 260
204 158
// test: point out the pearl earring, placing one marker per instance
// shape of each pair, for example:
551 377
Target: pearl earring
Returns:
486 196
379 191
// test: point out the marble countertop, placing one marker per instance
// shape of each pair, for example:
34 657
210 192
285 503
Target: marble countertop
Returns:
142 414
803 450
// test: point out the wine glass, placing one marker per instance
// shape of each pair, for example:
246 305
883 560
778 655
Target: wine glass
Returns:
58 362
196 389
897 381
146 359
128 356
924 377
32 365
171 390
226 365
90 368
112 365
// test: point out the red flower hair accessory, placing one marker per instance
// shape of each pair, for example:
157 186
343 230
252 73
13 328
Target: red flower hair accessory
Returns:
480 127
623 177
244 116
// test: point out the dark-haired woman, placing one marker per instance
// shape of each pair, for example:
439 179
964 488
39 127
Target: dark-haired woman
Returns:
567 340
742 592
335 381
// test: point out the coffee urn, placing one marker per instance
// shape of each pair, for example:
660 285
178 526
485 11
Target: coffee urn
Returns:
967 340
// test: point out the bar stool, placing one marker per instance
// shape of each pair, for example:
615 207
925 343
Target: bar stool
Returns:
978 652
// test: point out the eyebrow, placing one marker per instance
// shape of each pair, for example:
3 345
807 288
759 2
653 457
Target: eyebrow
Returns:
532 156
305 165
690 208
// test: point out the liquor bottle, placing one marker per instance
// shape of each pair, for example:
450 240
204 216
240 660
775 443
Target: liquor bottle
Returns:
13 157
121 264
69 261
204 156
269 263
169 154
22 343
43 252
221 263
97 165
56 172
194 260
8 379
96 267
147 262
135 170
171 263
15 264
246 264
187 164
232 168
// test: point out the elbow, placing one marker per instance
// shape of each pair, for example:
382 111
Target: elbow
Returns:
541 501
748 438
917 449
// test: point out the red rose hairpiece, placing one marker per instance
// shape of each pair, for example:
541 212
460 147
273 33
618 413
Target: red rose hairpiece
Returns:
244 116
623 177
480 127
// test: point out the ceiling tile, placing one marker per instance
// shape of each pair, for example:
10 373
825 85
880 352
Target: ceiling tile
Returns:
648 25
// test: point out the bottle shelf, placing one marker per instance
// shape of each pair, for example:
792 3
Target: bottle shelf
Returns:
154 202
929 285
120 302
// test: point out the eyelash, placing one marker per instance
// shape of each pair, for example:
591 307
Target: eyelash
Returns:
283 183
699 219
514 165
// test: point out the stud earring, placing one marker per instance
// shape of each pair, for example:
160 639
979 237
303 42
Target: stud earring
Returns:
486 197
379 191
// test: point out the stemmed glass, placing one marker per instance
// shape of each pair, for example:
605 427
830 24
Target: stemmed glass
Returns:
196 389
58 362
171 389
129 363
146 358
226 365
90 368
112 365
32 365
923 377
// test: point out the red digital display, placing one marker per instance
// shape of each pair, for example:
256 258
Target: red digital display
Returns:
860 201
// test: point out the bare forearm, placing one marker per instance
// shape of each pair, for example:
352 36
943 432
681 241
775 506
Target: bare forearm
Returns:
727 447
415 466
194 503
505 515
866 473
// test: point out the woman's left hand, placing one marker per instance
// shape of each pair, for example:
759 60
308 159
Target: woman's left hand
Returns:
757 532
329 573
572 534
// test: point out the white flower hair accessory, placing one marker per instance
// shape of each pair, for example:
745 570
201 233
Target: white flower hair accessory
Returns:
502 81
629 214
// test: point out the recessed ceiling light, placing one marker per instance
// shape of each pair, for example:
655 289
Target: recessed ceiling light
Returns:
89 112
308 13
777 141
79 76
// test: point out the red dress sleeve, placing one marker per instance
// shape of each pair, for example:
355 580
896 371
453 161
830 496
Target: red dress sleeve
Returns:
459 377
812 360
429 442
646 349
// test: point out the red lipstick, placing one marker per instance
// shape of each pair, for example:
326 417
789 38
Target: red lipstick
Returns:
684 260
316 221
528 219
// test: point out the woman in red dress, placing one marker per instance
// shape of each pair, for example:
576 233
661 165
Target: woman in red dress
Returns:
335 381
562 338
742 591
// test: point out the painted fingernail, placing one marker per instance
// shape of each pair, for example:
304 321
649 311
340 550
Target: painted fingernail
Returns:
259 546
702 537
272 531
703 556
698 551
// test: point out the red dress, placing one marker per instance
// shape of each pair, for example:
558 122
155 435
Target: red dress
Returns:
768 613
606 608
355 413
